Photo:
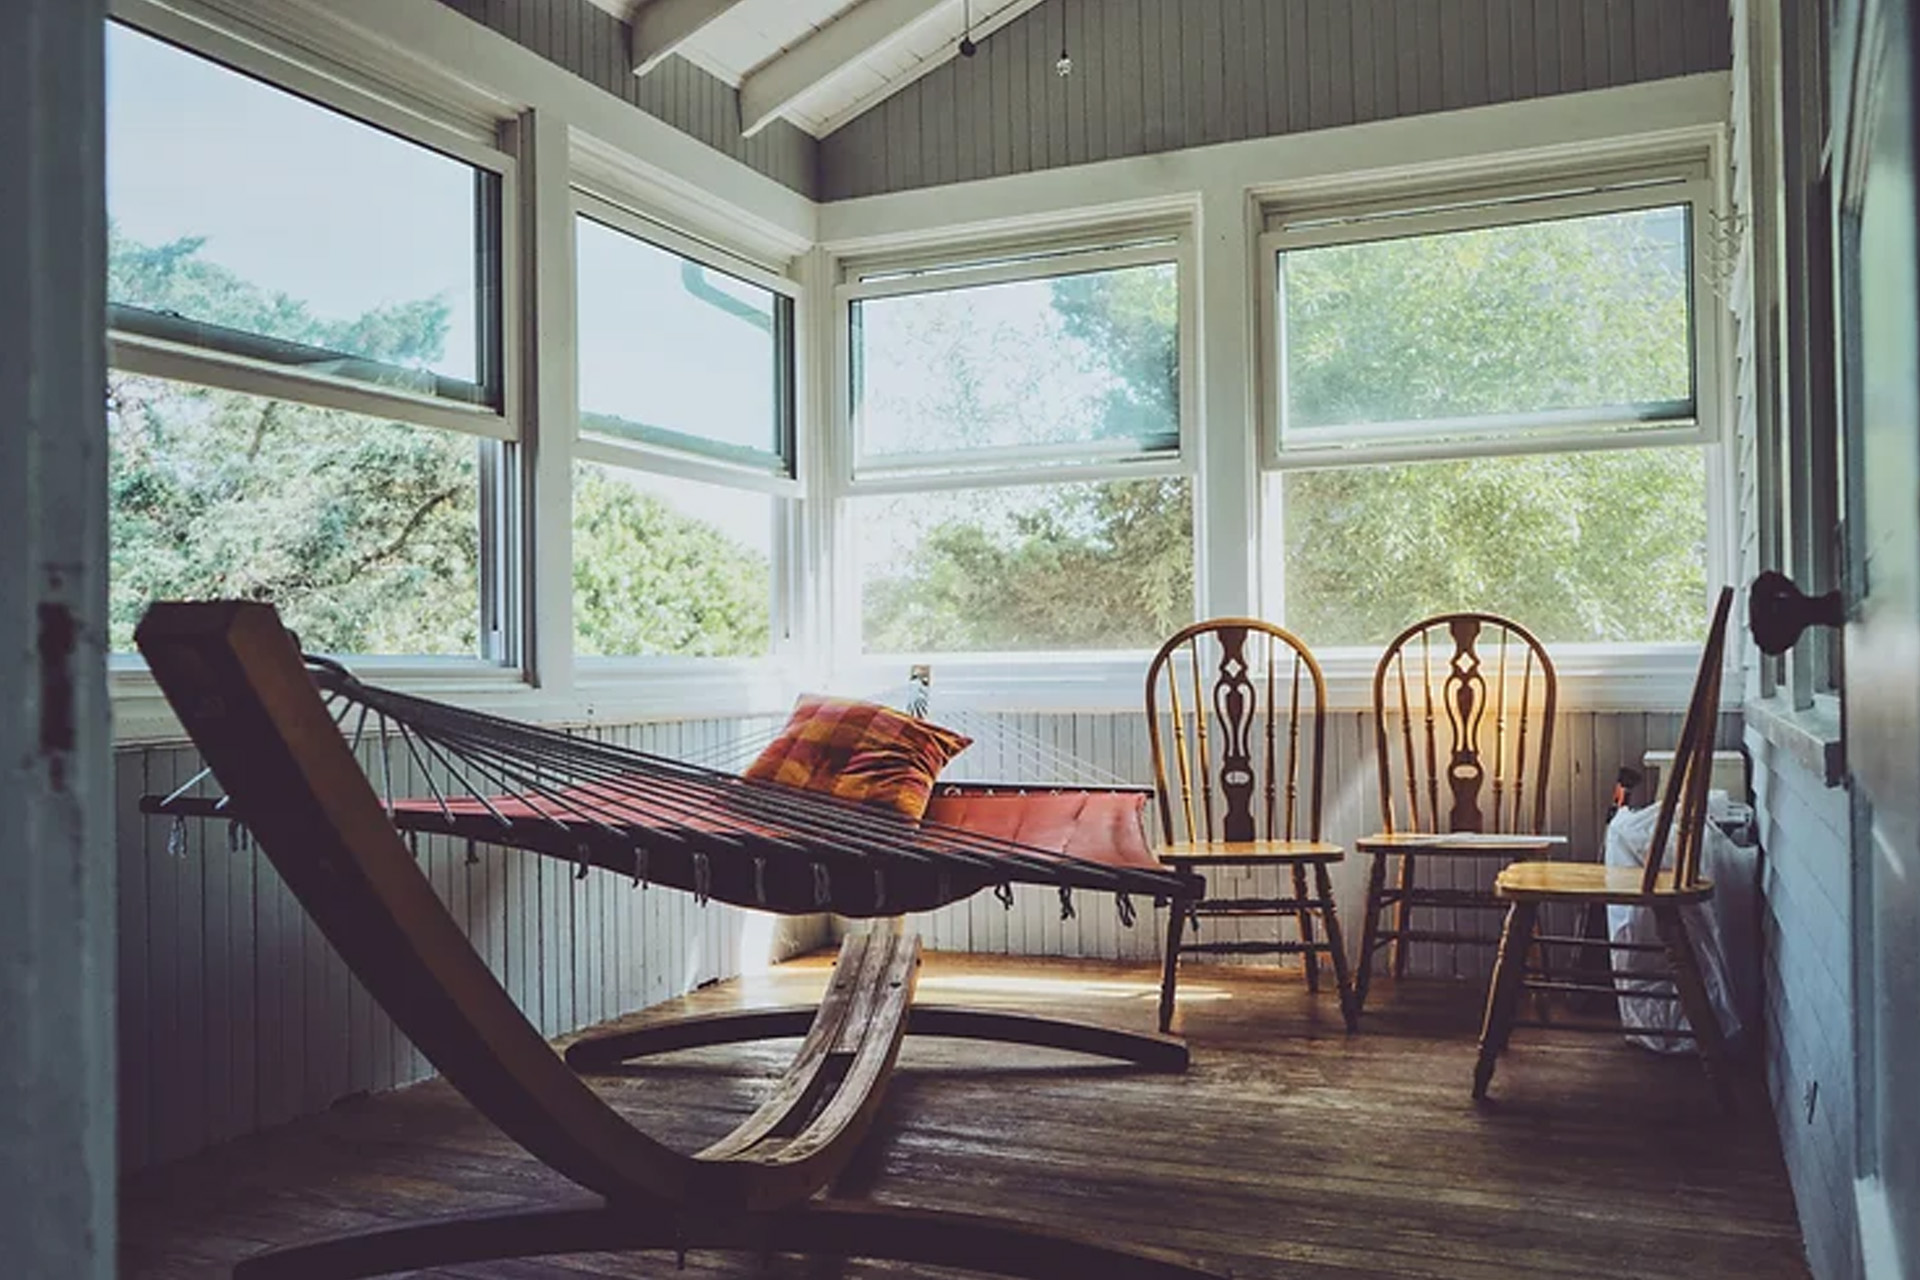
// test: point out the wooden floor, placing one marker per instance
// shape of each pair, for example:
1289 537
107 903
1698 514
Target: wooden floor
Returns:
1288 1149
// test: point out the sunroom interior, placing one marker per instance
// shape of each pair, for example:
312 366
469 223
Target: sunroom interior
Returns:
634 367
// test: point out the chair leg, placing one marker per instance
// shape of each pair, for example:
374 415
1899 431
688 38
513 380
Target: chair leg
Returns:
1176 918
1369 931
1305 916
1503 993
1695 1002
1336 948
1402 917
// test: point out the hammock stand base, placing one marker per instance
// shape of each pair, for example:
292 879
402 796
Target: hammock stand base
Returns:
609 1051
235 679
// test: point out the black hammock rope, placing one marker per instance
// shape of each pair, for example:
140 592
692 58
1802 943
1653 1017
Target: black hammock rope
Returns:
657 820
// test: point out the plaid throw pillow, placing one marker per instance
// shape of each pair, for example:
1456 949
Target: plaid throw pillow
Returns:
859 751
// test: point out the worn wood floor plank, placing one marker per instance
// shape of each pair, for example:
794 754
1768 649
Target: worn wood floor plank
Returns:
1288 1149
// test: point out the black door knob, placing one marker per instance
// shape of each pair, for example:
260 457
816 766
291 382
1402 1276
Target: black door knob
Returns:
1778 611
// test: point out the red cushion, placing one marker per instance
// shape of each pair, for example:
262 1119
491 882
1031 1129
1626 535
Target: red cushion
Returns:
859 751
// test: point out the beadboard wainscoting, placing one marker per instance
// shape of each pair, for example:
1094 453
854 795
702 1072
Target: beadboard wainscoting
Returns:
1589 749
236 1015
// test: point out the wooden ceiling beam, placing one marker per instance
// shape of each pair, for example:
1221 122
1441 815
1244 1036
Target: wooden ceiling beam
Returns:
778 83
660 27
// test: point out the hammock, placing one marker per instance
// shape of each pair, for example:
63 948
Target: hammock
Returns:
234 678
715 835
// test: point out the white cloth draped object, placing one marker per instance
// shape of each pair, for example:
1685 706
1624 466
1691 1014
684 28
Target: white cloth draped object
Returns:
1723 932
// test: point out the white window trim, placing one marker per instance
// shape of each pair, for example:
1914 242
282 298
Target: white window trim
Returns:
482 80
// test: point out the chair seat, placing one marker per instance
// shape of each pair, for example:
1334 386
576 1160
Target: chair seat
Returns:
1590 882
1249 852
1461 844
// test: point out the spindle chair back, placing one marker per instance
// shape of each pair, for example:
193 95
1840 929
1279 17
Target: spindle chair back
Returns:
1463 726
1463 720
1237 723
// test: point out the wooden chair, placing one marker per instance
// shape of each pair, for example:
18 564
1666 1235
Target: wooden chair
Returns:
239 686
1236 717
1463 707
1679 829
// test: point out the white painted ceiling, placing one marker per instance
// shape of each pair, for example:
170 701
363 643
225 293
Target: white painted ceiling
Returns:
817 63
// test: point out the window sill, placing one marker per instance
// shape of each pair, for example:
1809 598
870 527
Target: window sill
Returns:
1592 678
616 693
1811 737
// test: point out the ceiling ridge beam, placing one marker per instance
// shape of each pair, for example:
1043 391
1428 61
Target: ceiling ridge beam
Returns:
781 81
660 27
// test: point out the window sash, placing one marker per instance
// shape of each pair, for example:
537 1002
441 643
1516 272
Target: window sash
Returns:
181 349
1649 424
676 452
932 273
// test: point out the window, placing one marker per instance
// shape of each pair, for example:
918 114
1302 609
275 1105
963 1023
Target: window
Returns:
1490 404
1015 477
686 465
680 354
308 403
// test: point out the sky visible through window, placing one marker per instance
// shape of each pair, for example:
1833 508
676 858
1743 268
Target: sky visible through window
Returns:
668 345
289 196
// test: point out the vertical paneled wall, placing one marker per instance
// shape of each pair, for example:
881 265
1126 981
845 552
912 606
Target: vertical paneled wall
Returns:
1809 997
235 1014
597 47
1589 748
1151 75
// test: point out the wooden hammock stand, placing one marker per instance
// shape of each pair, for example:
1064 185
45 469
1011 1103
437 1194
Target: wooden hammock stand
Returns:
241 690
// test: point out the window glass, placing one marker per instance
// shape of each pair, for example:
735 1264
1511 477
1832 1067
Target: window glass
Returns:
678 353
1085 359
1600 546
664 566
1500 328
251 221
1027 567
365 534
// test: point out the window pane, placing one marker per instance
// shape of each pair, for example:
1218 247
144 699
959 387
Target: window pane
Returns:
1607 546
673 352
664 566
1572 314
1062 566
365 534
1078 359
249 220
